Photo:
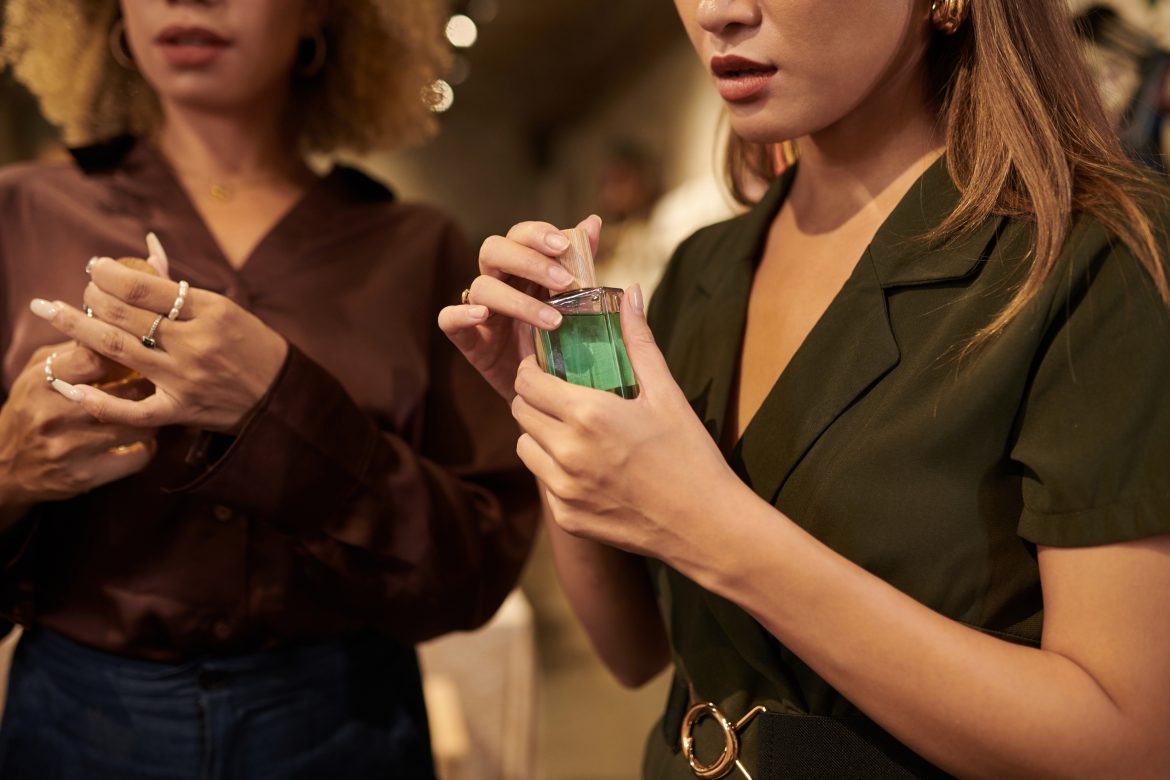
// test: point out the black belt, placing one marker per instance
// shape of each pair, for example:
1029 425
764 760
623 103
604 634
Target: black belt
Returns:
794 747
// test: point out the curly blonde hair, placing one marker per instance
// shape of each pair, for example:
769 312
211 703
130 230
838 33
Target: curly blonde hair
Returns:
373 92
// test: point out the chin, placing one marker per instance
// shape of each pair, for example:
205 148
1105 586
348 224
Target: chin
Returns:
207 92
770 123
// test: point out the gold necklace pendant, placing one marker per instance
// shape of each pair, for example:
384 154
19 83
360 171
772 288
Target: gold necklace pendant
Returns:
221 192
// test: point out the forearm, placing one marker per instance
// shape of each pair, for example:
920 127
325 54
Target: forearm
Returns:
610 593
973 704
420 545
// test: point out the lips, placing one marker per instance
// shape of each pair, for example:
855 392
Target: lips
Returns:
740 79
188 47
190 36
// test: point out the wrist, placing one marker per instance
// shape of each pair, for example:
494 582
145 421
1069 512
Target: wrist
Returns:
707 543
758 546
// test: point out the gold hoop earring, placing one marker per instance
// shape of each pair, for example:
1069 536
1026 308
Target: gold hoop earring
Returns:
948 15
120 46
317 61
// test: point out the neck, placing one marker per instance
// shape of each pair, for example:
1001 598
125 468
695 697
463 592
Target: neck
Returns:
866 162
205 146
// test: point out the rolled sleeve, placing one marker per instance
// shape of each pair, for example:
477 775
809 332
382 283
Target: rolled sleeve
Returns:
1094 432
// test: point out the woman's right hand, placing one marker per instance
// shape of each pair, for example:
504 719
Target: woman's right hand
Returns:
52 449
492 329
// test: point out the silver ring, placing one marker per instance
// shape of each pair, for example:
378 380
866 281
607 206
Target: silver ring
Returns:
148 340
49 377
177 306
88 312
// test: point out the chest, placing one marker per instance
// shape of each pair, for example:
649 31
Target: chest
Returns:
238 224
876 438
798 276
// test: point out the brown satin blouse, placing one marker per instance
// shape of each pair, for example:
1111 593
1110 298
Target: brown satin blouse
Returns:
376 485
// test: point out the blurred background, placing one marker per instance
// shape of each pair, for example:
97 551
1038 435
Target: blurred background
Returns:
556 110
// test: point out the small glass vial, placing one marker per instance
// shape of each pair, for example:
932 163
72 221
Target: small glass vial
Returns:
587 349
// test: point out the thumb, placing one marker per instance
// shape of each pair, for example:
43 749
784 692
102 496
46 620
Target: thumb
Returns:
646 359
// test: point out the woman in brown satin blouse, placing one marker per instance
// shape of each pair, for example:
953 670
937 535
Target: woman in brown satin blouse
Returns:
900 458
224 577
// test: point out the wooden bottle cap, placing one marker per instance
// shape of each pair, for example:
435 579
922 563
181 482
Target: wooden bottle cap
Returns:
578 259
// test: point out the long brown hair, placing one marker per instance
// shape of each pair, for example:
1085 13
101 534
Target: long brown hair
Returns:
1026 136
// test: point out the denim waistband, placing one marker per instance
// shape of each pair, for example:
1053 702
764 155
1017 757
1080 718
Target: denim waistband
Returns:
83 668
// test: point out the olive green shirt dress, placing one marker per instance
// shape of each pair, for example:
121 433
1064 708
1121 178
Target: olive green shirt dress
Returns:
937 471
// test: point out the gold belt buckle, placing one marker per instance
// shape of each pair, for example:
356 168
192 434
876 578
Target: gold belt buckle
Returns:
729 758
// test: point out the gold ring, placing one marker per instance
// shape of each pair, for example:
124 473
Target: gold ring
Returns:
465 296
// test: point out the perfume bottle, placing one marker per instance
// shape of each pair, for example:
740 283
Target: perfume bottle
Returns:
587 349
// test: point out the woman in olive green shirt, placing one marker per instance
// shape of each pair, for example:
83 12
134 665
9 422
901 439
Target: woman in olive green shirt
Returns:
901 458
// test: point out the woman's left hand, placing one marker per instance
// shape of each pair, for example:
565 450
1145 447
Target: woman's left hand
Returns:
210 366
632 473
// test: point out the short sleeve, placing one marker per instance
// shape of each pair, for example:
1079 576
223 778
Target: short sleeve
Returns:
1094 431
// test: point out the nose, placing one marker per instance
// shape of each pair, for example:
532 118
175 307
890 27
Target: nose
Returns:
719 17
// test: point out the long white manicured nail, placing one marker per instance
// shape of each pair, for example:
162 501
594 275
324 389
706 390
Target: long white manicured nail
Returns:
158 256
69 391
90 264
155 246
46 310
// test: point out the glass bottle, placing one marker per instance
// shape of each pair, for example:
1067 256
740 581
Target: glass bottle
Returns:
587 349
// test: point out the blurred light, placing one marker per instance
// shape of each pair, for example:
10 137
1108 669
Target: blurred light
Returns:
461 31
444 96
459 71
483 11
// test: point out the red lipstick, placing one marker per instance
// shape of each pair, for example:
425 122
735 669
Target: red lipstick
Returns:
740 79
190 47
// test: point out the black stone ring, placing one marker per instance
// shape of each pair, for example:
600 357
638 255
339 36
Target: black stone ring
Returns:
148 340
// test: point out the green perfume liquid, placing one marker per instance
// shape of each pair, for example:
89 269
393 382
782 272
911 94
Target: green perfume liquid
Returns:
587 349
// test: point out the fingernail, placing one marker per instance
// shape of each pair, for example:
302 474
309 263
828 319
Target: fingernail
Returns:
560 276
69 391
89 266
550 317
478 312
155 246
556 241
42 308
635 296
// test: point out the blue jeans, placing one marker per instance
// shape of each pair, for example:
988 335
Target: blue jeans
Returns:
338 710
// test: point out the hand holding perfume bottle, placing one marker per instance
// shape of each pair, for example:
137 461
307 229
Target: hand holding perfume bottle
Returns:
587 349
492 325
618 469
